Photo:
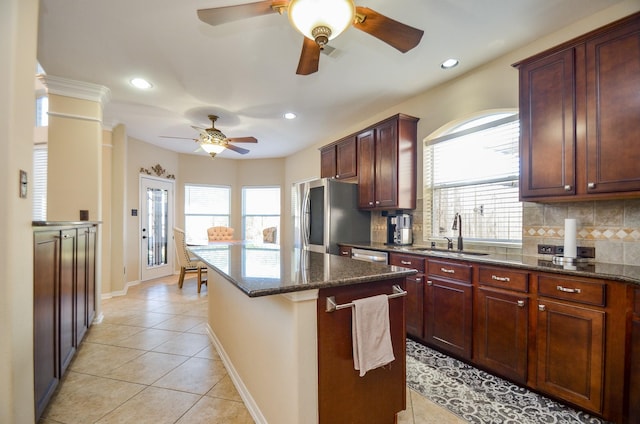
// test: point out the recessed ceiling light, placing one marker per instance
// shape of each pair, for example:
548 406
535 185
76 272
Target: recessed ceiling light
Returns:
449 63
289 115
141 83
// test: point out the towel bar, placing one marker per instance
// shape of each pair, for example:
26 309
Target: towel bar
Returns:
333 306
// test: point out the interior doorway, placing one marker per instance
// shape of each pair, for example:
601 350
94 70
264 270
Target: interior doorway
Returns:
156 222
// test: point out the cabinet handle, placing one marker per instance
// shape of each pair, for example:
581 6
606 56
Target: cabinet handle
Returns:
418 280
591 185
377 202
520 303
429 283
542 308
448 271
505 279
567 188
567 290
405 262
337 176
370 203
344 253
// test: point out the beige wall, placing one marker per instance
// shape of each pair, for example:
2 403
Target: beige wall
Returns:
74 175
18 29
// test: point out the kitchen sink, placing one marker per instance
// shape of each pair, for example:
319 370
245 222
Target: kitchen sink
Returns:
453 252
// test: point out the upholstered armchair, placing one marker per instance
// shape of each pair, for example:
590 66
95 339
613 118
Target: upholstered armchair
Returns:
269 235
220 233
186 261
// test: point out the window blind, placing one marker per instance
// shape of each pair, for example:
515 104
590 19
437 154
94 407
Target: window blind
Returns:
39 183
473 170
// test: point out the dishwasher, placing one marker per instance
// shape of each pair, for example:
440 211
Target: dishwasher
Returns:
369 255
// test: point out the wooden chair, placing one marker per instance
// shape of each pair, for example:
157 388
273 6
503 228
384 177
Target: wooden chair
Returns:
220 233
186 261
269 235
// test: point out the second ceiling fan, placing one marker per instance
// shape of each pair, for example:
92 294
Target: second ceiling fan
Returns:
320 21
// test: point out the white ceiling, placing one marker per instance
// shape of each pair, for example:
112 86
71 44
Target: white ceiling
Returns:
244 71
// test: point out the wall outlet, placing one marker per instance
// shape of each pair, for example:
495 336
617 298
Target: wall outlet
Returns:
546 249
559 250
586 252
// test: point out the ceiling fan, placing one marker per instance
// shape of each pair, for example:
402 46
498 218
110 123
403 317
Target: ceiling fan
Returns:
320 21
213 141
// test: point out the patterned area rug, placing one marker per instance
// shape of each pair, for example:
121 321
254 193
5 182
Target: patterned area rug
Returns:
479 397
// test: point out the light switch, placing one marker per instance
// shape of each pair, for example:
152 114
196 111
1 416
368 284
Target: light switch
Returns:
23 184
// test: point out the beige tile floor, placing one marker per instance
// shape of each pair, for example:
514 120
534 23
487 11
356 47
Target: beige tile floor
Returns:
151 361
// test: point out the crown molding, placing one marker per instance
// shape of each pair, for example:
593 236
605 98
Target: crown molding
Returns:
76 89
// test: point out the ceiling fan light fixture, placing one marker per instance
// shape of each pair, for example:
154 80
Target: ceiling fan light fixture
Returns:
211 148
326 18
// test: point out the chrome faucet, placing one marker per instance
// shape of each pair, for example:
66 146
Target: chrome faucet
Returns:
457 225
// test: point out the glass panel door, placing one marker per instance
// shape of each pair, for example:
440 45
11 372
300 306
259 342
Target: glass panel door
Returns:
156 222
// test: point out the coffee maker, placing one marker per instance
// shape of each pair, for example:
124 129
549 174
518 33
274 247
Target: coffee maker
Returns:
399 229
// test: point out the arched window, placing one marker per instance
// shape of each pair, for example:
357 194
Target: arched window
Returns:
472 169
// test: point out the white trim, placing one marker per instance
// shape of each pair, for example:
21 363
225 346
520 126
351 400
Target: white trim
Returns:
77 89
122 292
301 296
74 116
248 400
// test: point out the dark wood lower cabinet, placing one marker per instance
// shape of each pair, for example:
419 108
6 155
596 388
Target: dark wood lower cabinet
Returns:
502 321
344 396
448 316
64 301
633 394
46 249
571 353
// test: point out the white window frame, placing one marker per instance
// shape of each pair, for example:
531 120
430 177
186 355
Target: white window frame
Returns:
490 206
199 235
245 215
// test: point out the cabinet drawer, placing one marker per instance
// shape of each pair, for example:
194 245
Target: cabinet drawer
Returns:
504 278
454 270
580 291
407 261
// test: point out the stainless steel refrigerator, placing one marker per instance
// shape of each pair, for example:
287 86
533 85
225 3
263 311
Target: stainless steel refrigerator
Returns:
326 213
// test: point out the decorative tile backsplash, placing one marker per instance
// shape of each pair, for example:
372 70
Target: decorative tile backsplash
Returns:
611 226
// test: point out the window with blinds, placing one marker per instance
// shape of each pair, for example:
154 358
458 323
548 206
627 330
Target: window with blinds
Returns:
473 170
39 183
204 207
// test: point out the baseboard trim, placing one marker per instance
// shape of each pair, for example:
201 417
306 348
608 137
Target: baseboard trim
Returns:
249 402
122 292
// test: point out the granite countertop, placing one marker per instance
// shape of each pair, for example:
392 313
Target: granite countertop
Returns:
590 269
268 269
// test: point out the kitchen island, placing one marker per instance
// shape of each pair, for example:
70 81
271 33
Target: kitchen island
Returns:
291 359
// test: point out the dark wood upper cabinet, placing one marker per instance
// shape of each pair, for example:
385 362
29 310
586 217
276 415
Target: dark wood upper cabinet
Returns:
579 111
383 158
387 164
339 160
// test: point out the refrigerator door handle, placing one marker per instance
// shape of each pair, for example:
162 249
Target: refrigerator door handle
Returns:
305 224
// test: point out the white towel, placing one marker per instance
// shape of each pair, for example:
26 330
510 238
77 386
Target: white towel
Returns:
372 346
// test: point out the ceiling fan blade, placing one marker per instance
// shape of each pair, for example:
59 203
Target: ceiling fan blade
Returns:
309 58
221 15
402 37
242 140
237 149
179 138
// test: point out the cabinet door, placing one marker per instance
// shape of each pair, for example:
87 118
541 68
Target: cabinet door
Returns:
501 333
634 363
448 316
66 297
328 162
547 122
366 169
91 274
613 110
386 168
346 159
414 306
571 353
80 298
46 255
